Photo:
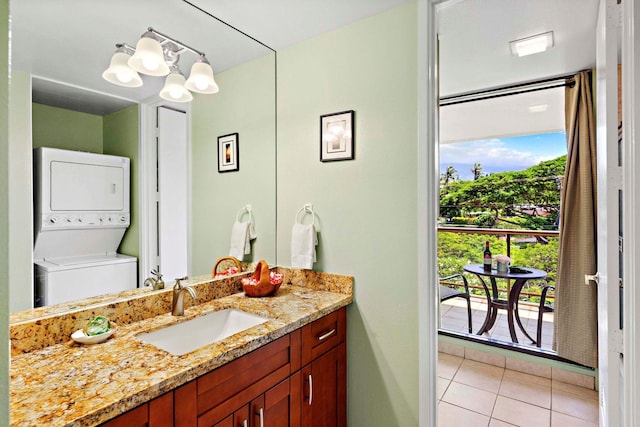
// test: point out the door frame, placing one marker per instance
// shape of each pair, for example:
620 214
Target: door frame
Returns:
427 199
427 221
146 175
630 184
609 182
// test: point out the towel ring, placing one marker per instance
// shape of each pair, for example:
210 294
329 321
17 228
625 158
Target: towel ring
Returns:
306 209
245 210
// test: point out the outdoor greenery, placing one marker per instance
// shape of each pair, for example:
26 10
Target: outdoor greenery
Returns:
455 250
505 195
528 199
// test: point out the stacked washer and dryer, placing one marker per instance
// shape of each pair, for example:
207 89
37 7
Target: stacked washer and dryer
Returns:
81 212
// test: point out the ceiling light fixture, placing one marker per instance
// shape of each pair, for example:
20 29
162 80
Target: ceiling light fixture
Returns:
539 108
530 45
157 54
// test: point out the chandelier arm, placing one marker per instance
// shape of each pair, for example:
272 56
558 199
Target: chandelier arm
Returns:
127 48
179 43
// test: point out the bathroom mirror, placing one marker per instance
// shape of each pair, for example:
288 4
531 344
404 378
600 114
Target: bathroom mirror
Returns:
59 52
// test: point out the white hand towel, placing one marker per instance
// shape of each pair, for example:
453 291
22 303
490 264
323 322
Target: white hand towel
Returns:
240 240
303 245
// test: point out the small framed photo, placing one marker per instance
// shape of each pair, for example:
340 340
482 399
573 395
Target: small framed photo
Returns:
337 136
228 155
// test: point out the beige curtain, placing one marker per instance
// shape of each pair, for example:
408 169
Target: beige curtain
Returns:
576 316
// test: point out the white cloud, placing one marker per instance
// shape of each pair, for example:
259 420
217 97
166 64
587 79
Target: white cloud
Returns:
489 153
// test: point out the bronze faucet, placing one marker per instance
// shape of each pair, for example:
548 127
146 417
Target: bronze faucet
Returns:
177 306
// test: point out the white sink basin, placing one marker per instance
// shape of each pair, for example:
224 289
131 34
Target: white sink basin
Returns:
184 337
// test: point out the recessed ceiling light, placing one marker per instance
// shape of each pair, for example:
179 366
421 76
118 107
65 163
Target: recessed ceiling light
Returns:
530 45
538 108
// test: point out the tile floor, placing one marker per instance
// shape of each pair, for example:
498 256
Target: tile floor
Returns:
453 315
475 394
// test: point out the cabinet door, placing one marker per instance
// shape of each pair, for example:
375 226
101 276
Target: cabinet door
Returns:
324 390
156 413
241 417
272 408
138 417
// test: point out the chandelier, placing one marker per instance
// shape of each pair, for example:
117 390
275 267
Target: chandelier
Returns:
157 54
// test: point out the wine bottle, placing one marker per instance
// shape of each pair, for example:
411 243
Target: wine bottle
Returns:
487 257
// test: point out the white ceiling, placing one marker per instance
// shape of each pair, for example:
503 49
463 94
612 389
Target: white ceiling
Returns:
485 119
71 41
475 56
475 34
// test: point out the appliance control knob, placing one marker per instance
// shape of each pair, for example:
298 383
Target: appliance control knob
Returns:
69 220
123 218
53 220
80 220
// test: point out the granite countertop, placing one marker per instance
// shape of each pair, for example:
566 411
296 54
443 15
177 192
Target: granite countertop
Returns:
66 383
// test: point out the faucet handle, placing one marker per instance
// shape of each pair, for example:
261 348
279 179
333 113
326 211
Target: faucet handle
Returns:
178 285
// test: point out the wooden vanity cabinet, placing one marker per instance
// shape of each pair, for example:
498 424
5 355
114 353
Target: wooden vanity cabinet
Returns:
298 380
322 381
257 383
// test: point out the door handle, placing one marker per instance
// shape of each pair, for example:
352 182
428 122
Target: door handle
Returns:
592 278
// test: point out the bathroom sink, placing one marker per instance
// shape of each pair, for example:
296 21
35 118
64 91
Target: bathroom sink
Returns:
184 337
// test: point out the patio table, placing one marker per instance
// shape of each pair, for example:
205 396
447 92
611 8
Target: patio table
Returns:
494 302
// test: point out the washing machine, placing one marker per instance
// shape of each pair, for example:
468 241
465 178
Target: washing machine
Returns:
81 212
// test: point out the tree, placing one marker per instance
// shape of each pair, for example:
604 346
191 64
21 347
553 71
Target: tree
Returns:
451 174
476 171
511 193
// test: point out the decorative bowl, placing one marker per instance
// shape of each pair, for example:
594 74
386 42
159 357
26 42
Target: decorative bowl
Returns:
263 282
81 336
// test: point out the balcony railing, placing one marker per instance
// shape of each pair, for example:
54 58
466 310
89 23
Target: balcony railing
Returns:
513 240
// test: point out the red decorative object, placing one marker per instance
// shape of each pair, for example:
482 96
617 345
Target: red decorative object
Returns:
263 282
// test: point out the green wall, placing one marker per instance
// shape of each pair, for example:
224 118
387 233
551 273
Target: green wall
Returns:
244 105
69 130
4 213
120 138
367 207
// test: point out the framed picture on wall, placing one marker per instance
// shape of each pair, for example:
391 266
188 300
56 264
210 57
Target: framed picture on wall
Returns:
337 136
228 155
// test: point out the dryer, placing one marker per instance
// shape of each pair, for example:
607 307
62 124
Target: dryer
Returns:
81 212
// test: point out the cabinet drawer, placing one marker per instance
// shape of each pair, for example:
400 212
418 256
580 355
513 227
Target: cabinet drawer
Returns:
323 334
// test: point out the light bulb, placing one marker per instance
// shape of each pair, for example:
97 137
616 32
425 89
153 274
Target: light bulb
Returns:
201 84
175 93
124 76
150 64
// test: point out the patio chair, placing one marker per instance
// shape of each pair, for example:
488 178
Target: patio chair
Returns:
448 292
543 308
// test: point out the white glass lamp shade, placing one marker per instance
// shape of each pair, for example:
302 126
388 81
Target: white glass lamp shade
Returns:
149 58
119 73
174 89
201 78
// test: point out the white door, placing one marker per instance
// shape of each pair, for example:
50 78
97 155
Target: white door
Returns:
172 207
631 228
609 187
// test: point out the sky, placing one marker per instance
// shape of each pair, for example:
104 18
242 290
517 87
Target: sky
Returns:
502 154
